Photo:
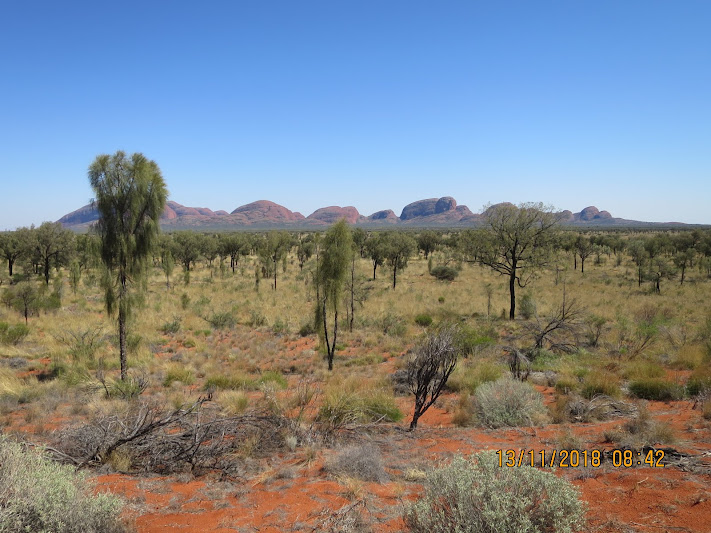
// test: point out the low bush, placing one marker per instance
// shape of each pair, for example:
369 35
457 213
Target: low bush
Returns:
360 461
423 320
656 389
223 320
508 403
527 306
470 341
274 377
230 382
307 329
445 273
39 495
171 327
13 334
640 431
699 381
477 495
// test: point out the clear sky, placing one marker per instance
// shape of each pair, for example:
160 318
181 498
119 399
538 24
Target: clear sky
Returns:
368 103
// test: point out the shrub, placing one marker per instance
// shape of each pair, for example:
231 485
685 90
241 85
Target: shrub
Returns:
656 389
507 402
13 334
307 329
38 495
699 381
222 320
256 319
233 402
171 327
361 461
527 306
280 327
423 320
471 341
445 273
393 325
477 495
640 431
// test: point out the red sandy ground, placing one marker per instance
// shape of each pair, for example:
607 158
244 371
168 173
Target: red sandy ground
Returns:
295 493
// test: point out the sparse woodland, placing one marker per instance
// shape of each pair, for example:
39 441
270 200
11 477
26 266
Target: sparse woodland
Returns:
605 345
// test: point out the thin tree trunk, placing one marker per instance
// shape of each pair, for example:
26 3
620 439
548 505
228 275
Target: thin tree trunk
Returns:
122 341
350 323
394 275
512 292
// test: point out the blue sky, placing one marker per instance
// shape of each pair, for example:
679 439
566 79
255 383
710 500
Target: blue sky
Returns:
371 103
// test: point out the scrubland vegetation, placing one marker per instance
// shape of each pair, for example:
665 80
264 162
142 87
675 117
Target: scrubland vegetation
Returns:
230 339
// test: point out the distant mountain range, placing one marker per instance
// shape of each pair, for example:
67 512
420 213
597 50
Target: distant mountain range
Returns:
263 214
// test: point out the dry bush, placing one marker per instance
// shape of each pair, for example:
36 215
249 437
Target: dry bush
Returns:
192 438
362 461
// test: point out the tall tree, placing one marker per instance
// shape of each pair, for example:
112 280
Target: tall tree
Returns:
517 240
399 247
333 262
130 198
53 245
375 250
274 248
11 248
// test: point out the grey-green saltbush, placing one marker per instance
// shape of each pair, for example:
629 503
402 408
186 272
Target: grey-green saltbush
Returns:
479 496
507 402
40 496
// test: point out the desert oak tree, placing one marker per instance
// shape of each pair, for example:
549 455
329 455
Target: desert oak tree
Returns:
516 241
130 198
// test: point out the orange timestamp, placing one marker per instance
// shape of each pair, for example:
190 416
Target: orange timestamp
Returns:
581 458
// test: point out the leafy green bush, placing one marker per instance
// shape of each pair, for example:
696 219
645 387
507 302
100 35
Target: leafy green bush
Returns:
471 341
656 389
307 329
42 496
699 381
423 319
507 402
527 306
444 273
477 495
393 325
222 320
275 377
171 327
13 334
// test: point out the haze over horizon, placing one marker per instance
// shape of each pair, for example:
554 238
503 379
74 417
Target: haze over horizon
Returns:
369 104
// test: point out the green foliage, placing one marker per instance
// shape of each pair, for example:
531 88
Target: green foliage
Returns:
128 388
508 403
346 405
224 320
600 383
13 334
470 341
307 329
699 381
273 377
178 374
477 495
40 496
256 319
130 198
466 378
444 273
393 325
171 327
423 319
527 306
656 389
184 301
230 382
